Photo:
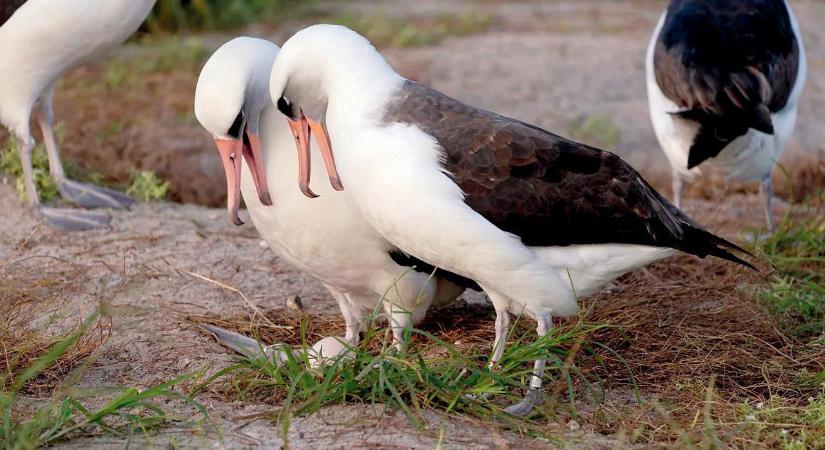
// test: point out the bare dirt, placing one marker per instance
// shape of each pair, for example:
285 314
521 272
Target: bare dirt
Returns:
548 63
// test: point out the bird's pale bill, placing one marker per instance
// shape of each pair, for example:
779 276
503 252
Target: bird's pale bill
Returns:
231 151
302 129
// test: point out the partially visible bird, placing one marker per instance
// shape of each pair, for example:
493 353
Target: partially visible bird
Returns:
535 219
724 79
40 41
326 238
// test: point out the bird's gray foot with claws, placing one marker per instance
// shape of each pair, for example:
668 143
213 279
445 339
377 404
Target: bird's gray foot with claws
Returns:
73 219
247 346
91 196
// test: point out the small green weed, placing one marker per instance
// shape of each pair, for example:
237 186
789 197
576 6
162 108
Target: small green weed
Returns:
797 291
11 166
785 425
146 186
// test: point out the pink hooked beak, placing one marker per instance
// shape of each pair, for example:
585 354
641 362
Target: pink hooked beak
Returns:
231 151
302 130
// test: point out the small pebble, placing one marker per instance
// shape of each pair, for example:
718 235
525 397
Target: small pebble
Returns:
294 303
262 244
573 426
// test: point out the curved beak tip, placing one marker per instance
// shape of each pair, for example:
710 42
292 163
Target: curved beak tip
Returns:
265 198
308 192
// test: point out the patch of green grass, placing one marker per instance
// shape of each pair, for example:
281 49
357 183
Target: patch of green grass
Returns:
431 374
176 15
116 73
27 423
47 189
11 166
383 30
796 291
596 130
146 186
785 425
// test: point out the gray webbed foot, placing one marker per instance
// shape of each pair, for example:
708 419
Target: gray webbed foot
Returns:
73 219
91 196
524 407
247 346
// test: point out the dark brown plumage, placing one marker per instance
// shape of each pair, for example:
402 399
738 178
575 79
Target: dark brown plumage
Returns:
8 8
728 64
546 189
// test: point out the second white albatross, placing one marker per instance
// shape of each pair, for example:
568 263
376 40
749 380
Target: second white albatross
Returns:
535 219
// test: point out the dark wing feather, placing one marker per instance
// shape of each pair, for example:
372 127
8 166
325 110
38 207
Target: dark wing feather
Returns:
729 64
8 8
403 259
548 190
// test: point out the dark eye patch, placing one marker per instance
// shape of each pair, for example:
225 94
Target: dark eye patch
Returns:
285 108
237 126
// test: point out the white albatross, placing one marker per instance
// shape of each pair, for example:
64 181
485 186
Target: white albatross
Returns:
520 211
326 238
40 41
724 80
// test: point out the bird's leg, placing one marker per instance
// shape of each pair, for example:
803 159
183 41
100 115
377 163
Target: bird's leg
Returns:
400 321
767 191
65 219
524 407
25 147
678 189
353 324
82 194
46 121
502 331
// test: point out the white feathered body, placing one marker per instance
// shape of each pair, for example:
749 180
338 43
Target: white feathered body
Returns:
394 175
327 237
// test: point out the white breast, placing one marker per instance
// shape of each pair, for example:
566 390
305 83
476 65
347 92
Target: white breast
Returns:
325 236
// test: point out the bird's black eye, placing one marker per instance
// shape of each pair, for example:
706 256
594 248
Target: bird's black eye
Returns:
286 108
237 126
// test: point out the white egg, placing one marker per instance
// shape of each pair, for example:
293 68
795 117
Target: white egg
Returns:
327 350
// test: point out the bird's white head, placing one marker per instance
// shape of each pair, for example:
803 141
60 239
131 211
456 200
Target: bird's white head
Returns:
232 91
323 68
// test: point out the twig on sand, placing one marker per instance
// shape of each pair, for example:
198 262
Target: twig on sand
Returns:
242 295
10 259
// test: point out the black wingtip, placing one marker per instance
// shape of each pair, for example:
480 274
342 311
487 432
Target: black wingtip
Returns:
724 254
716 246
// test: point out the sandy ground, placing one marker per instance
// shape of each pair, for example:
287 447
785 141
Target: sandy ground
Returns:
544 62
142 267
